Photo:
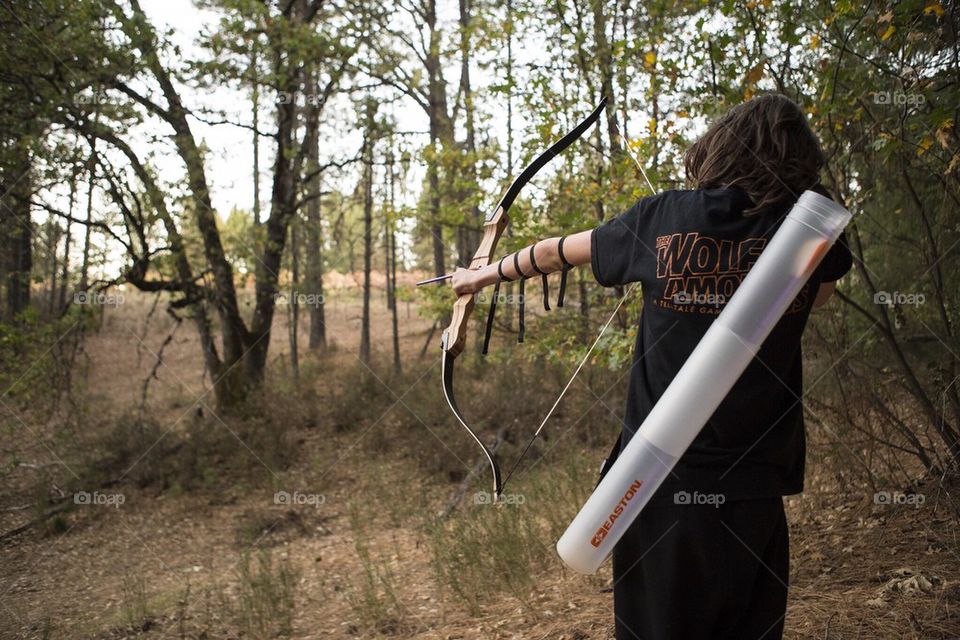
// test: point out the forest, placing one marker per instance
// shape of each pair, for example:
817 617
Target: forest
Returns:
222 401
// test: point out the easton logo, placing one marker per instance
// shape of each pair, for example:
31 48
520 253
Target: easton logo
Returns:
616 513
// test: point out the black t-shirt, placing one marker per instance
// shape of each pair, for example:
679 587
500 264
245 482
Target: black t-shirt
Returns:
690 250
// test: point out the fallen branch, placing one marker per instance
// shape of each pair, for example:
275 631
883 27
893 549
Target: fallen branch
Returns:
63 506
60 503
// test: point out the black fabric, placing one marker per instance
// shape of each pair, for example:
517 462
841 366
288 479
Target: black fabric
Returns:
563 258
703 572
608 461
533 260
522 324
563 272
698 243
488 331
543 276
500 270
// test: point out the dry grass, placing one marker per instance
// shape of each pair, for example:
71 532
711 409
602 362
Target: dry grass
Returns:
201 548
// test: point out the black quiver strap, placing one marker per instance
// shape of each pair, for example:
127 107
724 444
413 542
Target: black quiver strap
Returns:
522 278
543 276
563 273
493 304
609 460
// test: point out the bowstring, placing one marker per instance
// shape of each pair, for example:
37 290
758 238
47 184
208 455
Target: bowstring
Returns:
596 341
626 145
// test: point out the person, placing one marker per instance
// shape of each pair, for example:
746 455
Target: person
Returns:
709 555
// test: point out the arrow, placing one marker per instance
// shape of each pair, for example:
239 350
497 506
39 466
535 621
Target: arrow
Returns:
437 279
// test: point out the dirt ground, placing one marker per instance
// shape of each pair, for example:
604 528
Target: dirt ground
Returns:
858 569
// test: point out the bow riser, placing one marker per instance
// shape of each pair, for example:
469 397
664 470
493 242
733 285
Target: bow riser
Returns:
455 335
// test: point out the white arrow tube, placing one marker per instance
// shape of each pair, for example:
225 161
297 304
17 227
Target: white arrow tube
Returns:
728 346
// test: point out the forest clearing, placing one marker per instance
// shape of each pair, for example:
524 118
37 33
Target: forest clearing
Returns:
228 409
179 561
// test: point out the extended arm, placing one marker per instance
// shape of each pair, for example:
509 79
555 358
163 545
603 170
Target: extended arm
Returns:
576 249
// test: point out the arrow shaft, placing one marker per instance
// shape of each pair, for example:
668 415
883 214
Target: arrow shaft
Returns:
436 279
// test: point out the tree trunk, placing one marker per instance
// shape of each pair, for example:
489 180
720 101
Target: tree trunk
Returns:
68 239
88 227
255 106
53 241
391 269
313 230
283 202
243 358
469 118
18 227
294 302
367 230
509 16
475 224
441 133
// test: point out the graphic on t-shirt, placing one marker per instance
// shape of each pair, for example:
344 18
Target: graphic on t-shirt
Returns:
701 273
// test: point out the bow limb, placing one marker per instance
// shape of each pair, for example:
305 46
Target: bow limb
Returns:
455 336
447 368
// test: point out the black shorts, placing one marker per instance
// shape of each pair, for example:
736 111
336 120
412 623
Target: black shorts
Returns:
685 572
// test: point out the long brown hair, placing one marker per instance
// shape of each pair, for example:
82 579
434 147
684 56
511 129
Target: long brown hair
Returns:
764 147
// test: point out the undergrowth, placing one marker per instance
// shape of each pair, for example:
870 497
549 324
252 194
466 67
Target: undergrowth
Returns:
505 548
264 604
374 594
